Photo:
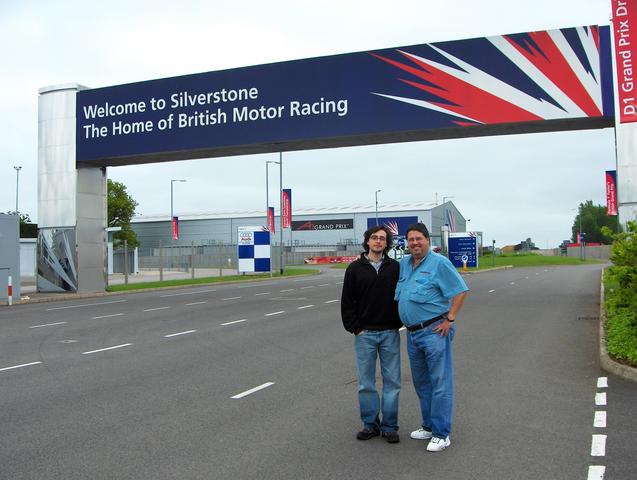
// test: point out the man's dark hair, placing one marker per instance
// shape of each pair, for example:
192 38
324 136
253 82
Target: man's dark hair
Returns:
374 229
418 227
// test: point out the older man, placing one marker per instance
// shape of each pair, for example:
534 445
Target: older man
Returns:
430 293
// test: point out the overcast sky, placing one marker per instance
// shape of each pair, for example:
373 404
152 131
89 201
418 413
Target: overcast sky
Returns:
511 187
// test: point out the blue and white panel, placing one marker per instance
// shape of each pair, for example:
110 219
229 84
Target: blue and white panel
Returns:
253 249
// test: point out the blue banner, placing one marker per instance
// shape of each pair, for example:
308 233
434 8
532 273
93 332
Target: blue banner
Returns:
438 90
463 248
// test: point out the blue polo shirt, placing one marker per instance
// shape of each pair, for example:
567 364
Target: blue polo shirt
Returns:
426 291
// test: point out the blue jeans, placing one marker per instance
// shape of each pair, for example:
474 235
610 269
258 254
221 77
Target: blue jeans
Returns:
378 412
432 374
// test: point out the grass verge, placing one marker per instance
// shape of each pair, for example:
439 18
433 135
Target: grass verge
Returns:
518 260
288 272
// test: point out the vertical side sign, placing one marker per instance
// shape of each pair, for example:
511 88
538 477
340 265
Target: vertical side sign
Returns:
625 33
286 214
253 249
271 219
611 192
175 225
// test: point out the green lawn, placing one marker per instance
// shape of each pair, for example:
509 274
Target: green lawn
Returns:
288 272
517 260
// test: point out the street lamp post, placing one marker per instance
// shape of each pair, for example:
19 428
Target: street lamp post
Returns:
17 183
376 195
267 201
172 216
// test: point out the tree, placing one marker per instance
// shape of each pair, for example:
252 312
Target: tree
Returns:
121 209
592 218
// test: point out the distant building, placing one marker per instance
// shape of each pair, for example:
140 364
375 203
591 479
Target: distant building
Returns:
334 226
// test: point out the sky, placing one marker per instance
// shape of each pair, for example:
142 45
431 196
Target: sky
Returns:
510 187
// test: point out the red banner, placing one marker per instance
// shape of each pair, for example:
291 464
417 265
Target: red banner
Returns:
271 219
611 192
175 224
286 216
624 25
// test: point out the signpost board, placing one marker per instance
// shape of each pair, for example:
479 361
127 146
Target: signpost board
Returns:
463 249
253 250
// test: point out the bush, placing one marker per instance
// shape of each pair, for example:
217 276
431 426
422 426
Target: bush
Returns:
621 299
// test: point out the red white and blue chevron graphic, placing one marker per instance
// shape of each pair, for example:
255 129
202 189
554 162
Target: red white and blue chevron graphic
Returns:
544 75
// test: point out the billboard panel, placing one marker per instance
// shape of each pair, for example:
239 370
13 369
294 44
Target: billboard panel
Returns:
463 247
333 224
611 192
397 225
544 80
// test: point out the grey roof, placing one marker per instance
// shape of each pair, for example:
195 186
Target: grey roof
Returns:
297 212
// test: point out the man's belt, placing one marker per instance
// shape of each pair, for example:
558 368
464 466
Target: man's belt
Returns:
420 326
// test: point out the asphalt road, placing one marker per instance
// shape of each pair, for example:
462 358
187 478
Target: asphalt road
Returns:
141 386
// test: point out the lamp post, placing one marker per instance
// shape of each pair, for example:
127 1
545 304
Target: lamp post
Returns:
172 216
17 183
267 200
376 195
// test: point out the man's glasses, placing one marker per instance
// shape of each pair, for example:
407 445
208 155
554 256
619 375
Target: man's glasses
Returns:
376 237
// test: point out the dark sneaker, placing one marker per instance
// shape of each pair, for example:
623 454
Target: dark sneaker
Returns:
367 433
391 437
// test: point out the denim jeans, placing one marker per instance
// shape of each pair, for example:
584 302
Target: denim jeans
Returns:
432 374
378 412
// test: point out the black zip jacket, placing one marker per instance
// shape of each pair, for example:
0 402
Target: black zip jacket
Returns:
367 300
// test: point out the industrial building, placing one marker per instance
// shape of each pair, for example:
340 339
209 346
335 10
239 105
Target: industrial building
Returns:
339 228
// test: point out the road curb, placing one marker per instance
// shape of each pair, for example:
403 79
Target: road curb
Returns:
605 360
487 270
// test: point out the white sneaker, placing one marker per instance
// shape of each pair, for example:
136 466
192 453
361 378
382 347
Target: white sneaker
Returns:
438 444
420 434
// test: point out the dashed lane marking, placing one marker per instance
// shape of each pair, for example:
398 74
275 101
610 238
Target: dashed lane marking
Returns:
85 305
600 419
304 306
252 390
332 301
196 303
180 333
107 316
107 348
48 325
596 472
598 446
19 366
155 309
234 321
188 293
274 313
231 298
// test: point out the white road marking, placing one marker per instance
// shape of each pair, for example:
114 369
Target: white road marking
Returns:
512 283
602 382
332 301
48 325
252 390
230 298
304 306
287 290
107 316
188 293
274 313
235 321
526 278
108 348
323 285
19 366
154 309
491 291
598 446
600 398
85 305
180 333
596 472
309 286
262 293
600 419
196 303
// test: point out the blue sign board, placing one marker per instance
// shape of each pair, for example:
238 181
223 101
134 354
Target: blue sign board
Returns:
463 247
417 92
253 250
